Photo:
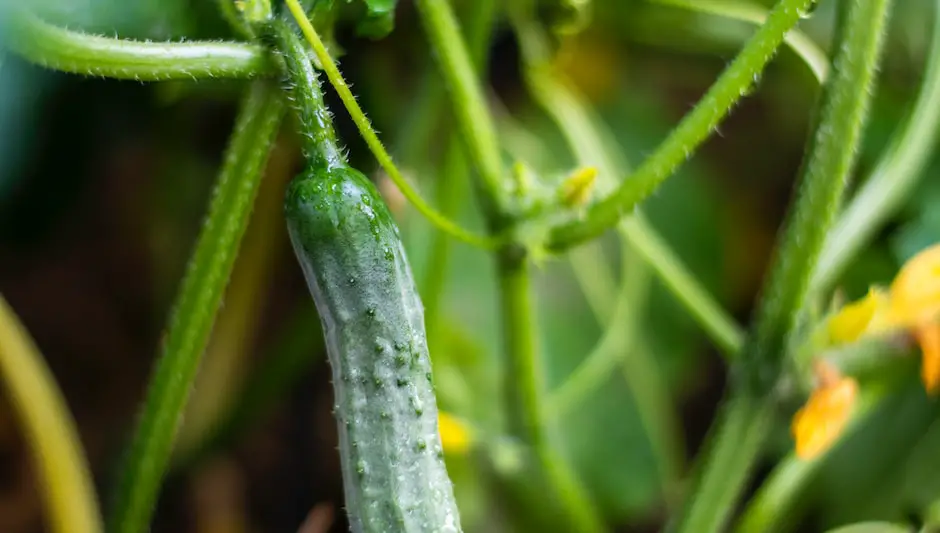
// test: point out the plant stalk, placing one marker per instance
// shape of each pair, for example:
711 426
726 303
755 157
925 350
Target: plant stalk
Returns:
479 30
525 390
740 431
897 172
197 303
91 55
473 118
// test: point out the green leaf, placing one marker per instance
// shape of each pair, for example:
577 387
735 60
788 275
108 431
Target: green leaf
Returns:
921 472
923 229
567 16
380 18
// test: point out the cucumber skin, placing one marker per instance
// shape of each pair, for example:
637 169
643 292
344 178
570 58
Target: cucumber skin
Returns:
349 248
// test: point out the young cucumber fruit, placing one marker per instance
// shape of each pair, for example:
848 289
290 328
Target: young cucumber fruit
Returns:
351 254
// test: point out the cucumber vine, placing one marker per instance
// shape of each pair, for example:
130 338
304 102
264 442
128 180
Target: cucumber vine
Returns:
349 248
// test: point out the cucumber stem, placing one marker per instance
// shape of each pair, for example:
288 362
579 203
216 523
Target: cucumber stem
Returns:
318 139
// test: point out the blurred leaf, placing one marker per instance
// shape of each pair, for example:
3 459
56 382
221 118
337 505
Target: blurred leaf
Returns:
874 265
567 16
921 472
374 18
923 229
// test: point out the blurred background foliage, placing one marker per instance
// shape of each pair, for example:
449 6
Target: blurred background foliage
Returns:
103 185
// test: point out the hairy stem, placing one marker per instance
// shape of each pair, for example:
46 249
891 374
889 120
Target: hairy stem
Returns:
372 139
734 83
195 308
827 167
799 42
735 441
583 135
619 345
894 177
92 55
741 430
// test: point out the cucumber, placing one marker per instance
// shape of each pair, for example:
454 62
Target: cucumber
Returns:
350 251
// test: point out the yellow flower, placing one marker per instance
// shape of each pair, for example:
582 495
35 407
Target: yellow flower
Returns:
576 189
819 423
456 436
912 303
915 292
915 304
853 320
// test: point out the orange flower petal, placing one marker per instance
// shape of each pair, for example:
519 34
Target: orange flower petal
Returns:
928 336
819 423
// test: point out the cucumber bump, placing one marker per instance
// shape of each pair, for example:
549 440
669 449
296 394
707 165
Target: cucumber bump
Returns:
350 251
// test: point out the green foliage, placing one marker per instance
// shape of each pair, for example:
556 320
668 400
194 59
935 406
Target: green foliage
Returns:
509 324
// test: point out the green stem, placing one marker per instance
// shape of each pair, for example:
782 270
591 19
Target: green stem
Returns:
735 82
799 42
894 177
525 393
735 442
834 145
842 115
317 137
586 137
226 364
196 306
92 55
470 110
621 340
772 507
372 139
479 30
49 430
